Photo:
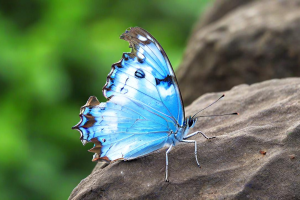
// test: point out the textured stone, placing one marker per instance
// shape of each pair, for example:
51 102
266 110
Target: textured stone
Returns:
218 9
256 155
254 42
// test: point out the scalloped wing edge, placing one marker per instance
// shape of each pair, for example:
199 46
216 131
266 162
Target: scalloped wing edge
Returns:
91 102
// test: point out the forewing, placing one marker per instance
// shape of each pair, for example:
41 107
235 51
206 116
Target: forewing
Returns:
145 75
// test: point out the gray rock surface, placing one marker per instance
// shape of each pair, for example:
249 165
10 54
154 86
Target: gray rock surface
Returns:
256 155
218 9
254 42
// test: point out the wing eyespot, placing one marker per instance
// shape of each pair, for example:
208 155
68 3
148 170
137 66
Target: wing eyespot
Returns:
139 73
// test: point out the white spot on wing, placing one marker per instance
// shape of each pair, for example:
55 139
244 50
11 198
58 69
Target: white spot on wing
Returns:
142 38
168 92
140 56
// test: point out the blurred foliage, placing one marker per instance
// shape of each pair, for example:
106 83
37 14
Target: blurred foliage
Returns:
53 56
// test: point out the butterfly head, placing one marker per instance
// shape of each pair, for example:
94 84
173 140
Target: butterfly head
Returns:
191 122
184 130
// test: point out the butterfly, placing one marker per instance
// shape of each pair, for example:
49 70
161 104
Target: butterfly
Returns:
144 110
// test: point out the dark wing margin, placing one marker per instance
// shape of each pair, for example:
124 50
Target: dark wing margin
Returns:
91 102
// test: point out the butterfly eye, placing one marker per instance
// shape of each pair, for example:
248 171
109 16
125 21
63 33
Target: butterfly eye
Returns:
191 122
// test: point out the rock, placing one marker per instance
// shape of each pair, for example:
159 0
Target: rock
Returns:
219 9
255 42
256 155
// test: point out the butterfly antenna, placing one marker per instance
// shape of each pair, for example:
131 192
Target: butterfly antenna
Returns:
209 105
218 115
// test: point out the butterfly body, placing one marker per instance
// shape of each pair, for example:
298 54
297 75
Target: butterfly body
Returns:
144 111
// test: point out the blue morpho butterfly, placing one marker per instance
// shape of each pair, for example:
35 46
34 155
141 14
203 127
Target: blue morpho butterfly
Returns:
144 111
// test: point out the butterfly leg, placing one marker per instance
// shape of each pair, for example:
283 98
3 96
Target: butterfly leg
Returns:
192 134
193 141
167 163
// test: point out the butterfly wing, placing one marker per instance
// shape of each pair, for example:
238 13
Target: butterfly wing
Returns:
144 104
149 57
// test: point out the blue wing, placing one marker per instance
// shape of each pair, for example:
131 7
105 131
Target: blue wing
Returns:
144 104
146 73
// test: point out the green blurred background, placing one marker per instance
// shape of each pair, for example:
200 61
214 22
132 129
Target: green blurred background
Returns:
53 56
